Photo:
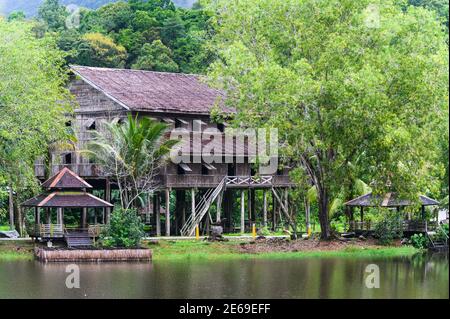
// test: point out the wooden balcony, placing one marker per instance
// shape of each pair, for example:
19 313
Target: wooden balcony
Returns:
210 181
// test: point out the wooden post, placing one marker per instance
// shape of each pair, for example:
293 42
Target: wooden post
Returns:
84 218
274 214
219 207
264 208
242 212
362 215
49 215
11 208
183 207
59 215
157 209
37 214
251 205
167 212
108 199
193 203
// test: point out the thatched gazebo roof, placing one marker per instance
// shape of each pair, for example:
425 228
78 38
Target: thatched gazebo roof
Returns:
388 200
66 190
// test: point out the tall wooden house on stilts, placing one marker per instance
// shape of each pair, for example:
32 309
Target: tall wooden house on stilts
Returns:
187 190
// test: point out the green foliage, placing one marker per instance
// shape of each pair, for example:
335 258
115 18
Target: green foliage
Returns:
99 50
350 99
388 228
16 15
148 30
419 241
33 103
125 229
155 57
131 153
53 14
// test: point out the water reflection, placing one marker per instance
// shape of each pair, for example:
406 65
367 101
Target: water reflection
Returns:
419 276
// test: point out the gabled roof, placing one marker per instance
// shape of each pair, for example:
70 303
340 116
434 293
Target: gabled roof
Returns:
65 179
151 91
388 200
66 199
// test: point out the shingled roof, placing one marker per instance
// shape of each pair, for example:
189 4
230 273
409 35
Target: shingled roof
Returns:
67 200
151 91
388 200
65 179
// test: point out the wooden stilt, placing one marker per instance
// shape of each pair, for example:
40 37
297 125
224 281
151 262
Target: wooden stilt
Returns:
193 202
252 206
167 212
108 199
274 213
157 209
242 212
219 207
362 214
264 208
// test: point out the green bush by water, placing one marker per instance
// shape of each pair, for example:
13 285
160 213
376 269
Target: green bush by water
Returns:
125 229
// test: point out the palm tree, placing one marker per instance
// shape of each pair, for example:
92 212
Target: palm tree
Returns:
131 154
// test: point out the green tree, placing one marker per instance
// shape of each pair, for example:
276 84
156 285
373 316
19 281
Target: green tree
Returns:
96 49
344 81
155 57
53 14
33 104
16 15
131 153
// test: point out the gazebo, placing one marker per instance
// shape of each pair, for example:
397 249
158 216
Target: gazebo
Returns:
63 191
389 200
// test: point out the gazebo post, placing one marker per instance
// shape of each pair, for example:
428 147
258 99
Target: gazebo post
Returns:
362 213
48 215
83 217
59 218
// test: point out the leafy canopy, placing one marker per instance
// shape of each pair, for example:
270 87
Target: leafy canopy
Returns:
354 87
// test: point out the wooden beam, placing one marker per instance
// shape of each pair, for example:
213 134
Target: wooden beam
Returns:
218 207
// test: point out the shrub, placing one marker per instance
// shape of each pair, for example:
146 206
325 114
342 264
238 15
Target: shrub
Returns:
388 229
419 241
125 229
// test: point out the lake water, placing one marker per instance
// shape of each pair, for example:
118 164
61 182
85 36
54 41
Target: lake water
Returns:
419 276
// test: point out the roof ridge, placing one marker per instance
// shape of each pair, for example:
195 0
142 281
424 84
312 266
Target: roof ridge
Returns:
134 70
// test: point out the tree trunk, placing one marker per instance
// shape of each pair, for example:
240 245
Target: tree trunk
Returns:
323 216
11 208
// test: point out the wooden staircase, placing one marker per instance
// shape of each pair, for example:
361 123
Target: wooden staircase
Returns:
78 239
439 243
202 209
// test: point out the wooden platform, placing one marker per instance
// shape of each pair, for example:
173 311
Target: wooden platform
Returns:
92 255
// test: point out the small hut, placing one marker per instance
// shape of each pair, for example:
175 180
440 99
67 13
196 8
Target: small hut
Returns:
63 191
390 200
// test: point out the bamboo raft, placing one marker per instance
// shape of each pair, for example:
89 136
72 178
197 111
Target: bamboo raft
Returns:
92 255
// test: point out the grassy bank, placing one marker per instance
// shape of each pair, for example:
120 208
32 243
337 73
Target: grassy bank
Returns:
16 250
200 250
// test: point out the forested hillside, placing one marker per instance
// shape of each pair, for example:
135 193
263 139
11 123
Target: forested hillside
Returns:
30 7
149 35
